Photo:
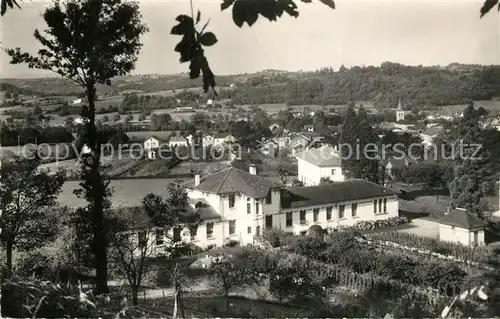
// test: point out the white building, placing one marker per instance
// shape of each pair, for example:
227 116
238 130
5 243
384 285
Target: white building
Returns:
459 226
235 205
309 128
220 139
242 200
151 146
177 141
316 163
207 140
334 205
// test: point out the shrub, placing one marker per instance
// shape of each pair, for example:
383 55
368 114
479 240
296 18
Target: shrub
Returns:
275 237
310 246
296 278
23 298
232 243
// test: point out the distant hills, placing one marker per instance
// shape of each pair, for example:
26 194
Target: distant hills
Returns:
383 86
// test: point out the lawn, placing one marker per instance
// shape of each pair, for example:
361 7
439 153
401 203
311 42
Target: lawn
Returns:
204 168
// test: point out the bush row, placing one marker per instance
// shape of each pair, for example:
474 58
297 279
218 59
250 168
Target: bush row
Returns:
372 224
433 245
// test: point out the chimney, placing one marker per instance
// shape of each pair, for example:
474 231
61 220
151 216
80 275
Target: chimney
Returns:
196 180
252 169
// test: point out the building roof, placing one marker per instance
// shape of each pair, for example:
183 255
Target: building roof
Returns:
144 135
351 190
178 138
159 139
461 218
234 180
324 156
433 131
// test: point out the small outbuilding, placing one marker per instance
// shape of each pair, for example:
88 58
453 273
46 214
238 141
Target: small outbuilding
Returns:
462 227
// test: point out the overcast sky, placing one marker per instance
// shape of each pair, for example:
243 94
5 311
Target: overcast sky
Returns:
356 33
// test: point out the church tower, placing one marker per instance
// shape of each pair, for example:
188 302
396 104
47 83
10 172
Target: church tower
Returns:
400 113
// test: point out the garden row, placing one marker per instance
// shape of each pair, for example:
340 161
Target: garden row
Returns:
291 277
431 246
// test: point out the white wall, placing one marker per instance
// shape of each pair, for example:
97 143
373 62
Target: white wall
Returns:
208 140
151 143
311 174
239 214
460 235
364 212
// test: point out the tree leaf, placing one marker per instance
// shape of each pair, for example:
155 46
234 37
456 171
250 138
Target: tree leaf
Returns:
226 4
487 6
185 25
329 3
198 17
195 69
269 10
208 39
239 13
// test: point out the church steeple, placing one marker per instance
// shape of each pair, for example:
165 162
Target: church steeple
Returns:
400 107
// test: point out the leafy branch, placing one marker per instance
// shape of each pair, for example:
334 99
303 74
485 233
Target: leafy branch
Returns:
191 48
488 5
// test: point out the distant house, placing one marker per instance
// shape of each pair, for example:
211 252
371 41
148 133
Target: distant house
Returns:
282 141
178 140
207 140
298 142
223 138
309 128
268 147
142 136
428 135
317 163
397 163
460 226
78 101
151 147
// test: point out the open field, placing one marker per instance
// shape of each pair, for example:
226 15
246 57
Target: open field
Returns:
204 168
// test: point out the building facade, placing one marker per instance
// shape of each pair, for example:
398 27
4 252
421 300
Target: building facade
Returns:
151 146
316 163
238 206
460 226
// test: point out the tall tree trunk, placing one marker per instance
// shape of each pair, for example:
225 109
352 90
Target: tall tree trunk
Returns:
174 316
135 296
95 188
9 246
181 303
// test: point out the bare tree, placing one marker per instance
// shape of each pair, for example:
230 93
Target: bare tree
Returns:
132 246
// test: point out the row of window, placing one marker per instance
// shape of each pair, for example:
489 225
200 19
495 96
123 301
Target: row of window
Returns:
160 233
380 202
329 209
269 200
